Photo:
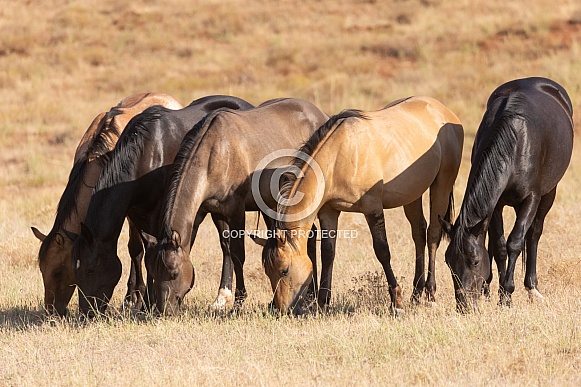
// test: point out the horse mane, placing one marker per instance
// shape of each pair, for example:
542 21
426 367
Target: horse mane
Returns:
189 145
102 143
129 148
310 148
290 180
497 156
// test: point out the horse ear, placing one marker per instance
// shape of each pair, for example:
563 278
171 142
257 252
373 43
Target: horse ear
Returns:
446 226
176 239
281 236
60 240
38 234
86 233
258 240
476 230
71 235
149 239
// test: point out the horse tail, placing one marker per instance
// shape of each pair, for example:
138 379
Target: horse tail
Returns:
449 217
524 256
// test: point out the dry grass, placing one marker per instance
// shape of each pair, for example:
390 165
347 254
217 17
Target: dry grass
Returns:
63 62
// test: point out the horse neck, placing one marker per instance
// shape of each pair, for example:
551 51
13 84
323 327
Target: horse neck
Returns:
482 195
182 203
302 214
83 196
107 211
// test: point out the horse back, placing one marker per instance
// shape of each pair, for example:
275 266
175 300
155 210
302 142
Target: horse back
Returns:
529 120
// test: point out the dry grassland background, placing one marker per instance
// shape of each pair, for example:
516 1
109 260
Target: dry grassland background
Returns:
63 62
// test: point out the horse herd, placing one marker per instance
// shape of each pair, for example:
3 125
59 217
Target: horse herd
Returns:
164 167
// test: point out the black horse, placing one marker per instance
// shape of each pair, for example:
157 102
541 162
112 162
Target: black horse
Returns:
521 151
132 185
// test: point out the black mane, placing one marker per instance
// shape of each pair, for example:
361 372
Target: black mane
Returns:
120 166
103 141
493 162
289 179
188 147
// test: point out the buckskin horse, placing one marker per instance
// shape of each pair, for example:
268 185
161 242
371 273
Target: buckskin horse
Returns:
367 161
521 151
212 173
132 185
55 254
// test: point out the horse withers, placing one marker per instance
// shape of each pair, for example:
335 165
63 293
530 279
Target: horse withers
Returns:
367 161
521 151
55 254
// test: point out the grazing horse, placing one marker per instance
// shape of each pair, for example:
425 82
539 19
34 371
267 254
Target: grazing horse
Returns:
367 161
132 185
521 151
55 254
212 174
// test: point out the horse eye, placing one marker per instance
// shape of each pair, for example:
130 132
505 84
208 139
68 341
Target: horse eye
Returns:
91 272
284 272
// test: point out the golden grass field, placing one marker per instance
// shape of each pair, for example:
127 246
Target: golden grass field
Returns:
62 62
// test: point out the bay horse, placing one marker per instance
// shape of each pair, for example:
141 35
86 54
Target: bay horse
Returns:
55 254
212 173
367 162
522 149
131 185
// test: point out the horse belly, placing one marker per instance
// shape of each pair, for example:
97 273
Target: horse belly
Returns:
407 184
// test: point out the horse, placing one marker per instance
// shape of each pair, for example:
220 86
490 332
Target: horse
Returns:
366 162
131 185
522 149
55 254
213 173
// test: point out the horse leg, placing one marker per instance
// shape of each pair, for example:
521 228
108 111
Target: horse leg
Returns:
525 215
376 223
313 290
532 242
238 255
441 204
225 291
135 283
415 217
496 251
328 220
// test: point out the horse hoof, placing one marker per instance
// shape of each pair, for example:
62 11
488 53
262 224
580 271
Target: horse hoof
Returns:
535 295
397 312
219 304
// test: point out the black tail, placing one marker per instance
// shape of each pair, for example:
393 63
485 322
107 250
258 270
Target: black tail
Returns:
449 217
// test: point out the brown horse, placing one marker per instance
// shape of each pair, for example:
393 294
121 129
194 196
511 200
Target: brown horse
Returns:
365 162
55 255
212 173
131 186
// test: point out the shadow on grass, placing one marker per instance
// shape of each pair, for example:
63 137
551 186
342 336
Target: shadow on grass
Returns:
22 318
368 294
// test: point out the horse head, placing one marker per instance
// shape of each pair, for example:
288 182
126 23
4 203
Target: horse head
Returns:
468 260
171 269
97 269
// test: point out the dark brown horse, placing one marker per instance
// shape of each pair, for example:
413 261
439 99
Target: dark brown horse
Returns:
521 151
365 162
212 174
132 185
55 255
